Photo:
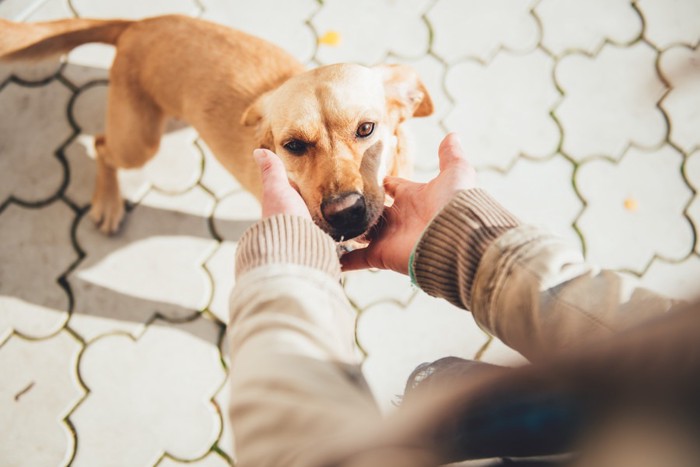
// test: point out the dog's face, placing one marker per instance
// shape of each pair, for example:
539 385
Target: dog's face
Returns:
336 130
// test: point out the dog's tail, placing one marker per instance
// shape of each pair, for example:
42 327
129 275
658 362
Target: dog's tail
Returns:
33 41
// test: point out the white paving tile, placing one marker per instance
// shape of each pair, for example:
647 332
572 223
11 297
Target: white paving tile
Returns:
283 23
610 101
40 393
365 31
635 209
154 265
368 287
29 168
681 68
670 22
675 280
36 250
235 213
178 164
479 28
150 395
538 192
221 266
585 25
503 108
135 9
397 340
89 62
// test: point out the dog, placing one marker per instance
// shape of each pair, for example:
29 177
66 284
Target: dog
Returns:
337 128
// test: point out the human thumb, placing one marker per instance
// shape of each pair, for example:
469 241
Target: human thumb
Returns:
271 168
450 151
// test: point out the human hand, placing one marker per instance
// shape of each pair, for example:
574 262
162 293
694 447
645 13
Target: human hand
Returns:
415 205
279 197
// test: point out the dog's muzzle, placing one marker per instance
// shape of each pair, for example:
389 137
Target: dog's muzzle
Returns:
346 215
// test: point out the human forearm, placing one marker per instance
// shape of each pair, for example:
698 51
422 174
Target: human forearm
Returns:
295 376
527 287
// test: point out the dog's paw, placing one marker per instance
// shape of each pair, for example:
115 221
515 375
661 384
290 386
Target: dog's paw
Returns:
107 215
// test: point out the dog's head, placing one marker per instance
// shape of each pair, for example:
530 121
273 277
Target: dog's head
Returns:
336 129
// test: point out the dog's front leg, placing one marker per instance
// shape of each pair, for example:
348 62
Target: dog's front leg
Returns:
107 205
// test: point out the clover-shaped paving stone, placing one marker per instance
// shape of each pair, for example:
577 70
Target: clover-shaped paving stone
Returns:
399 339
503 108
681 68
366 288
35 251
577 25
221 266
135 9
538 192
235 213
635 209
671 22
610 101
154 265
284 24
39 388
29 168
479 28
150 396
368 30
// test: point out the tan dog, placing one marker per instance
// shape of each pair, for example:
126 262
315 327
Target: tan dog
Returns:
337 128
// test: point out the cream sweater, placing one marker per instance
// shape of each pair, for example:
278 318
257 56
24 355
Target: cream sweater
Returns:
298 395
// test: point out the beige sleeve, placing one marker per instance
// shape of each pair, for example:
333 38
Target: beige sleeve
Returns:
530 289
296 384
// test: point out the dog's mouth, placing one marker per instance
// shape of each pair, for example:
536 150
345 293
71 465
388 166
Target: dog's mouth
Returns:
355 229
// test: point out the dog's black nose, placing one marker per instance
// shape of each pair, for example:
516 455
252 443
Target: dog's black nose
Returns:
346 214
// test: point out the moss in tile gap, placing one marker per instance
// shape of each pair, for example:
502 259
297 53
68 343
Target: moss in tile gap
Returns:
431 31
540 29
583 200
217 449
642 18
484 347
83 386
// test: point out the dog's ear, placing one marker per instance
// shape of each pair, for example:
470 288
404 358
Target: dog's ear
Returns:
256 111
254 116
405 90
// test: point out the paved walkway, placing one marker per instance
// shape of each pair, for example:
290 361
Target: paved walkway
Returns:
582 115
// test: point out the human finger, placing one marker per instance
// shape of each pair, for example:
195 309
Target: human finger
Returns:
274 175
450 151
279 196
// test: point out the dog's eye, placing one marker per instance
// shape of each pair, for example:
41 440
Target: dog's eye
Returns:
296 147
365 129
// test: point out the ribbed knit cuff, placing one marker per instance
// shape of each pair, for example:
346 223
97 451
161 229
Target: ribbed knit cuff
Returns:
447 256
287 239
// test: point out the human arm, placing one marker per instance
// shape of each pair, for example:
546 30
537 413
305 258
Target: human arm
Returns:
296 384
527 287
